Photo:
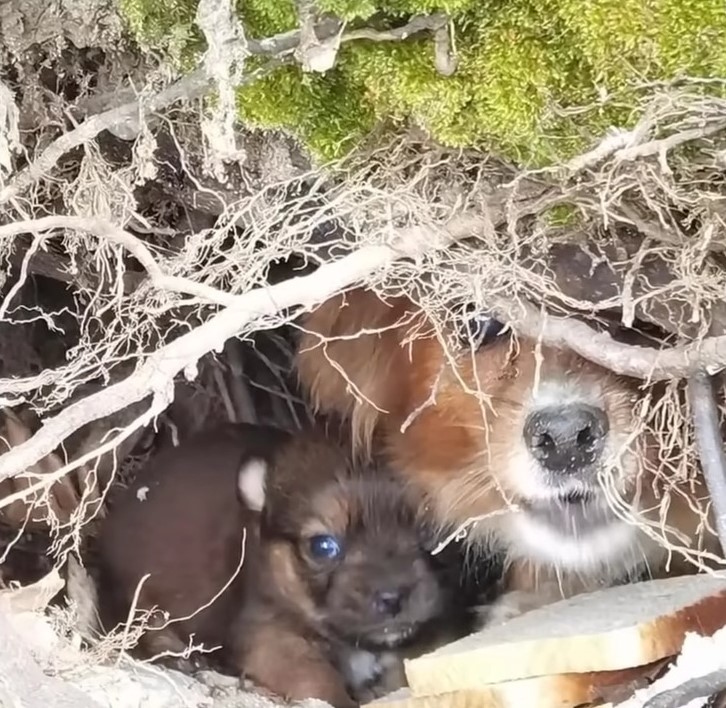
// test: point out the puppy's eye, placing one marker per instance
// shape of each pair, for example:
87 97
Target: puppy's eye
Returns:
483 330
324 547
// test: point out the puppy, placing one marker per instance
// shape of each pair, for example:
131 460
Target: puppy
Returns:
335 576
529 440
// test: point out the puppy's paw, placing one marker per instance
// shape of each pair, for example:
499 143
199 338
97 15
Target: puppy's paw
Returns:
361 668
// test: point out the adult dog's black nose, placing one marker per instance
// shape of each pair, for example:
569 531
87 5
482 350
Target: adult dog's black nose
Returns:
566 438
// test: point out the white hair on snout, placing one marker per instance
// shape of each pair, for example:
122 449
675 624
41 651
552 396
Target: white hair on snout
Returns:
616 543
251 483
562 392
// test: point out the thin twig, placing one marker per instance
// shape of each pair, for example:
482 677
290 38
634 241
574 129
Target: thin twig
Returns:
244 405
224 393
664 145
710 446
444 54
191 86
135 246
130 616
419 23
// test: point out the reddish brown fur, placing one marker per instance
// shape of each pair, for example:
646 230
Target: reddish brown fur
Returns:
460 457
290 618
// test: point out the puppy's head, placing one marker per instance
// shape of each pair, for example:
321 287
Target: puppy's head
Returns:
536 440
342 547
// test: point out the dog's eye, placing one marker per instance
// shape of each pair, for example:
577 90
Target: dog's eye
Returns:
483 330
325 547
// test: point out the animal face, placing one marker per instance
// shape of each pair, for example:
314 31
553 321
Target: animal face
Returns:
343 549
548 437
533 440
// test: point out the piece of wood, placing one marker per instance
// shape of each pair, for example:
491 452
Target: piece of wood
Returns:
608 630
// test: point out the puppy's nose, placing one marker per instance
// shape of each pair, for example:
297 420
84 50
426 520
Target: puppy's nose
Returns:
566 438
388 602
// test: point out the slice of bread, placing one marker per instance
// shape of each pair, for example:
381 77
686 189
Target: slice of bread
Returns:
608 630
561 691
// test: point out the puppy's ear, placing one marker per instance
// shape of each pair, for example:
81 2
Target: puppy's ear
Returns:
251 480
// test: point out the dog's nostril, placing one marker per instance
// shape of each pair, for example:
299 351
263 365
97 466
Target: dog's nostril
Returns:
545 441
388 602
566 438
585 438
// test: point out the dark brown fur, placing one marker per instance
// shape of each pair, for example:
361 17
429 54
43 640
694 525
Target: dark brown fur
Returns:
296 622
463 455
188 533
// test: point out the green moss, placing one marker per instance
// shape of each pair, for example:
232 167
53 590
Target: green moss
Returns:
524 65
167 27
319 109
562 215
263 18
350 9
694 37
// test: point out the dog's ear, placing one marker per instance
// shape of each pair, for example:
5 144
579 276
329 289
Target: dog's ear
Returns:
351 361
251 483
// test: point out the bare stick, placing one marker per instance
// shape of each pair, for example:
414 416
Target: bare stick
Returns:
244 405
156 376
599 347
626 359
130 615
699 687
444 54
420 23
190 87
710 446
312 52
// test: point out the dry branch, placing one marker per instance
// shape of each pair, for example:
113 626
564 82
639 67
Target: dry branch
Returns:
699 687
642 362
708 436
419 23
109 232
224 62
314 53
155 377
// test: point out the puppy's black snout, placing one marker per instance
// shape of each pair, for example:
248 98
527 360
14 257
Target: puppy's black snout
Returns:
388 602
566 438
